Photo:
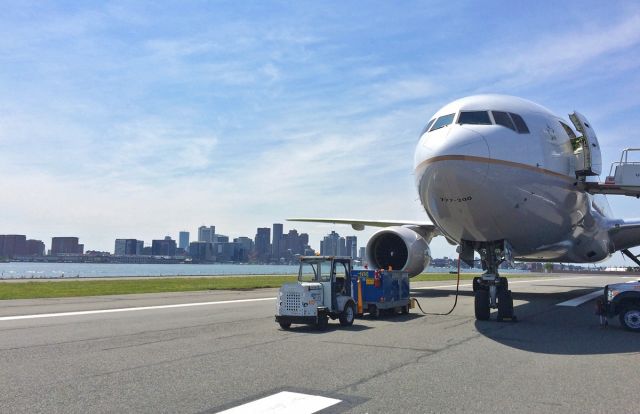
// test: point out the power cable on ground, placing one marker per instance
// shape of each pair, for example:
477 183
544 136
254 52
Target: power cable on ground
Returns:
455 302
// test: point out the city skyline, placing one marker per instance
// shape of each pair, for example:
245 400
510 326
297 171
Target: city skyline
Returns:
275 245
161 117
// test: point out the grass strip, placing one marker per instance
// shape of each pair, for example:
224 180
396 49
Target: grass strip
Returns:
70 288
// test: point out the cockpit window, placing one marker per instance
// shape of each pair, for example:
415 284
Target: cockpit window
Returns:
427 127
521 126
443 121
502 118
474 117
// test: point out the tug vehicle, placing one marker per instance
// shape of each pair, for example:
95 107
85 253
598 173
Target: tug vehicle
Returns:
323 291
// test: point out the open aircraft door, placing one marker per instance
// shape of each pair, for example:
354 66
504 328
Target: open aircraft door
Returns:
587 148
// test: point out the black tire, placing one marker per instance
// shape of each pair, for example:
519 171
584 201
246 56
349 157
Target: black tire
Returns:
323 322
481 302
348 314
285 325
405 310
374 311
630 317
504 283
505 305
476 284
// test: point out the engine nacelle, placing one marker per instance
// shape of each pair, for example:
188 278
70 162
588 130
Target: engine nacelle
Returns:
400 248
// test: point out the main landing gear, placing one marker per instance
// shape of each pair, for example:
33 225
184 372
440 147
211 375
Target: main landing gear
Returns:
492 290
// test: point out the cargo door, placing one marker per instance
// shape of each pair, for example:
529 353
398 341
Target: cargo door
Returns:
586 147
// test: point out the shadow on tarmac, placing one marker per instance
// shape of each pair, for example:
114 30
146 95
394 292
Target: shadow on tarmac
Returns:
543 327
333 326
356 327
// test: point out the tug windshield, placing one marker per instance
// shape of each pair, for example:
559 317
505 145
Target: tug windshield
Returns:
315 271
308 272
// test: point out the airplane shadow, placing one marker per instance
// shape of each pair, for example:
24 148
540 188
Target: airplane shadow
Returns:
543 327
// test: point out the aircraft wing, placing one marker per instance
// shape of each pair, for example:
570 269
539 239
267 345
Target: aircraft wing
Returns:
626 234
361 224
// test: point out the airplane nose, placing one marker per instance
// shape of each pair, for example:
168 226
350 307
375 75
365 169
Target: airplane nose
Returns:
457 151
451 168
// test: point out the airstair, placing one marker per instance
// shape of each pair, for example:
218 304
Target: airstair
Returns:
623 178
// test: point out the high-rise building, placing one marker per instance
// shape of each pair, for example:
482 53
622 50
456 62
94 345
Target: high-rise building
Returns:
342 247
262 244
276 248
127 247
12 245
226 252
35 248
363 253
245 245
329 246
206 233
304 239
220 238
66 246
139 247
351 244
183 240
201 252
166 247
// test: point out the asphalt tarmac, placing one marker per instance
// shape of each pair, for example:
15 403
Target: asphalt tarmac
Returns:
216 351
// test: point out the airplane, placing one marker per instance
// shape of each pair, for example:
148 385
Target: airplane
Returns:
505 177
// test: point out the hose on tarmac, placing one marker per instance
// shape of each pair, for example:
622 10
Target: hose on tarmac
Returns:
455 302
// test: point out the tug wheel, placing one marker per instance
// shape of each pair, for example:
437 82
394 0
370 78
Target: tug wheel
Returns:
348 314
323 322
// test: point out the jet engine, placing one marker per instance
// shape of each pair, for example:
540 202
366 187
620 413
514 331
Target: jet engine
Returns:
400 248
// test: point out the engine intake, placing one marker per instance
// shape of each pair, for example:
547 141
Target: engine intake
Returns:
400 248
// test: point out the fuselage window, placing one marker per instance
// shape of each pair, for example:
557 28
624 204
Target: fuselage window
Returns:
521 126
443 121
427 127
502 118
474 117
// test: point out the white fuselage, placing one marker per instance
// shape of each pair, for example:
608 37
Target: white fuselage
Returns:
483 182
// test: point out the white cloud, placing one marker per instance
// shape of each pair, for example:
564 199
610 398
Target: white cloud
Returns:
553 56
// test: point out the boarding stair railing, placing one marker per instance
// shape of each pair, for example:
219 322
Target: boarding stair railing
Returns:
623 178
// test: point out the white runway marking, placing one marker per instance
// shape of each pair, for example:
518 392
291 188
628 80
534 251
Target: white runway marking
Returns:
141 308
582 299
585 298
285 403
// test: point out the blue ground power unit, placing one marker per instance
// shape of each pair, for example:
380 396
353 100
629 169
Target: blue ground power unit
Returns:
376 290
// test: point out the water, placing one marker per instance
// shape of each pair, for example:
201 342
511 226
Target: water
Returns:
20 270
24 270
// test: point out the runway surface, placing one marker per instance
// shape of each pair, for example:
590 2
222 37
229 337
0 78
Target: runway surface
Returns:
224 350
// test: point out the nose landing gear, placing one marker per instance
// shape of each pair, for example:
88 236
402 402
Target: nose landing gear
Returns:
491 290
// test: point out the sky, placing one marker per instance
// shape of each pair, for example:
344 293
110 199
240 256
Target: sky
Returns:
143 119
